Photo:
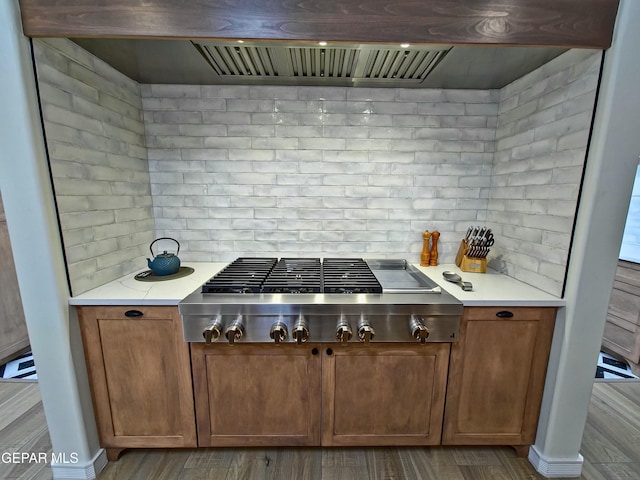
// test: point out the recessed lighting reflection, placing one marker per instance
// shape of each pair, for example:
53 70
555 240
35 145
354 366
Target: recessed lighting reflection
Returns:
322 43
405 45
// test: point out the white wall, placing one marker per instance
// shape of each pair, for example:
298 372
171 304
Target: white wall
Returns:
310 171
630 248
95 138
541 140
608 182
37 249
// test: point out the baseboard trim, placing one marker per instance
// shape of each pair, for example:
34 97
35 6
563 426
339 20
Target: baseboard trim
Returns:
555 467
80 471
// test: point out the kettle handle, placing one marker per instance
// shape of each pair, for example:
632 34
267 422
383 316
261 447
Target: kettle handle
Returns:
164 238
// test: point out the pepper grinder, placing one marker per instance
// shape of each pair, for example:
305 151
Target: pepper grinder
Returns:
433 260
424 256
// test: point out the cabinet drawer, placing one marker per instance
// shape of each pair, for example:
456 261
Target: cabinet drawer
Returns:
622 341
122 312
503 313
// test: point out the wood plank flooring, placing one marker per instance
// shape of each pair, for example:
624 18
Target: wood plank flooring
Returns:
610 447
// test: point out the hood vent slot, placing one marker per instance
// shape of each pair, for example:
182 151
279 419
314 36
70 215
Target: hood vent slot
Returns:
322 62
361 64
399 64
239 61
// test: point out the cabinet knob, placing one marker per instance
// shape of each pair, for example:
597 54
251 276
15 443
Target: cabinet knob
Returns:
235 330
213 331
365 330
418 329
278 332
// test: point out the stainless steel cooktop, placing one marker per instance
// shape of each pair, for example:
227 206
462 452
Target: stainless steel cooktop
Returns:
286 300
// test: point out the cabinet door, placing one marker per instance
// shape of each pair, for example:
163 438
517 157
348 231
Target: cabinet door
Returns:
383 394
257 395
622 330
497 376
140 376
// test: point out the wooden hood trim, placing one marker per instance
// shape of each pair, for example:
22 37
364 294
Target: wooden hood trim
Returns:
562 23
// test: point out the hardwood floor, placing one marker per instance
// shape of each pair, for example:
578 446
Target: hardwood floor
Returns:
23 428
609 446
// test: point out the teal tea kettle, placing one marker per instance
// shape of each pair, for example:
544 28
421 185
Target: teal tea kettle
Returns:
164 263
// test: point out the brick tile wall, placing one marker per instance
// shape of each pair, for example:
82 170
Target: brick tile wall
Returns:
96 142
288 171
292 171
543 127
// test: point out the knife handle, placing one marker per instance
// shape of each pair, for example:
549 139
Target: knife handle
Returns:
433 260
425 255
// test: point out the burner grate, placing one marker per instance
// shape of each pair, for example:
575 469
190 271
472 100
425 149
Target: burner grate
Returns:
243 275
295 275
349 275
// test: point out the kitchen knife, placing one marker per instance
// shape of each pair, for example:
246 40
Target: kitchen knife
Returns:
469 230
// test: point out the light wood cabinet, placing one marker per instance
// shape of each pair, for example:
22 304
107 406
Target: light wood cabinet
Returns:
257 395
622 329
497 375
485 389
140 376
13 329
384 394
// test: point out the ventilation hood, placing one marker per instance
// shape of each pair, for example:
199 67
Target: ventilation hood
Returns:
336 63
309 63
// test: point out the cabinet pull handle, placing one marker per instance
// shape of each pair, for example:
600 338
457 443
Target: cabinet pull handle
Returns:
329 351
504 314
314 351
133 313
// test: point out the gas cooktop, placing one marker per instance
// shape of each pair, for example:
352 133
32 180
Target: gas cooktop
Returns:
294 275
258 300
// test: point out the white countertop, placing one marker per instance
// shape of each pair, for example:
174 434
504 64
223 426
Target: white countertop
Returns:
489 289
129 291
492 289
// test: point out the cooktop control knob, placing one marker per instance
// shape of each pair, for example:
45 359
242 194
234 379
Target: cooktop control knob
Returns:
301 330
418 329
213 331
343 330
235 330
365 330
278 332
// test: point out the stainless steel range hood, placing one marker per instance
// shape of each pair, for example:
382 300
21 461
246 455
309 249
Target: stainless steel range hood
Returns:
348 64
287 63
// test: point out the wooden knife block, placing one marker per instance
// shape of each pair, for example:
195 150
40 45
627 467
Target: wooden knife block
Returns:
469 264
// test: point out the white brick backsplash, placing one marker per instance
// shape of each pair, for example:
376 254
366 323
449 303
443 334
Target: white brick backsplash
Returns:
577 140
441 109
276 143
174 91
313 171
368 145
237 118
347 132
322 93
200 104
223 91
394 108
365 119
348 107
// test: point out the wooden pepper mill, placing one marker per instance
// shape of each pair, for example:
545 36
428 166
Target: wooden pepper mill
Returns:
433 257
424 256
